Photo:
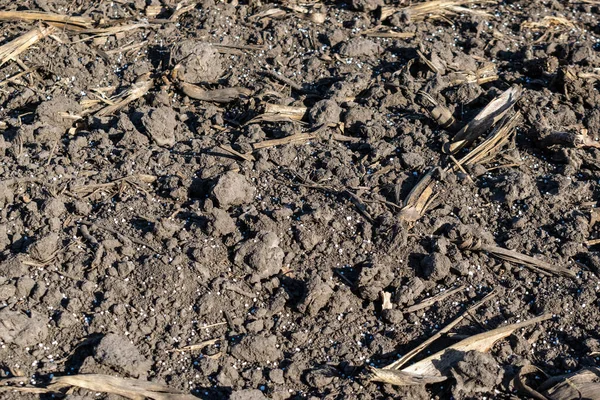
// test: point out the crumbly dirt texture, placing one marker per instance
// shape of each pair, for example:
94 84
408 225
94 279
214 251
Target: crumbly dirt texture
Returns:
136 220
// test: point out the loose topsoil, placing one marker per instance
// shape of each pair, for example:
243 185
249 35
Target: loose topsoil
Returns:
128 233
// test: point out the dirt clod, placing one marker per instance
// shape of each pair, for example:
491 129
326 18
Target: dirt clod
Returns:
436 266
221 196
199 62
160 125
475 374
247 394
118 353
257 349
45 247
262 254
22 330
325 112
233 189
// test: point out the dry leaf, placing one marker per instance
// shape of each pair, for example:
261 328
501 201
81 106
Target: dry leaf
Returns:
438 364
130 388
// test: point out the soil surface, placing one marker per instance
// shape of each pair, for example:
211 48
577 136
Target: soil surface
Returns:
128 233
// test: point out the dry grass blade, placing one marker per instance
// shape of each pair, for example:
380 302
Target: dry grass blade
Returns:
438 364
131 179
488 117
217 95
84 22
528 261
432 300
386 32
12 49
549 22
521 381
401 378
136 91
199 346
299 137
181 9
108 31
134 389
243 156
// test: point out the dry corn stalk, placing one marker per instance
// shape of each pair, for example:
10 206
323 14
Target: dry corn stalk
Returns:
12 49
411 354
108 31
485 74
129 388
217 95
299 137
293 112
136 91
493 143
419 198
488 117
299 11
63 20
475 244
434 368
549 22
439 113
577 140
386 32
436 8
583 384
134 389
278 113
422 195
432 300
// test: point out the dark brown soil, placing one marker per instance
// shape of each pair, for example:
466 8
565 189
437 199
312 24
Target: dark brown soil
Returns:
129 235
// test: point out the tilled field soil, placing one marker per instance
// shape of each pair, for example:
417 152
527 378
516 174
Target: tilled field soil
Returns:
218 197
